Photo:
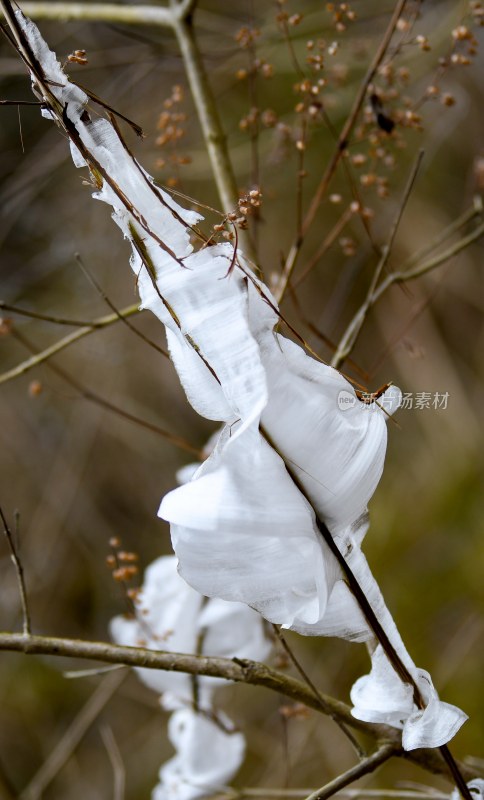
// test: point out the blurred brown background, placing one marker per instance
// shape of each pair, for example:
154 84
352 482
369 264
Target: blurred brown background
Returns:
79 474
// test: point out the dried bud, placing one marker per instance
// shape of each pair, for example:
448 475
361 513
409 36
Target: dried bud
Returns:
6 325
35 388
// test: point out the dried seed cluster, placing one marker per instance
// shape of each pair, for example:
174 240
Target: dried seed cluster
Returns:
247 205
123 565
171 125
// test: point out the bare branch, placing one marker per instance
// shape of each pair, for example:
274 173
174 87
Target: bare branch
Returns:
92 280
341 147
208 115
66 341
326 710
366 766
88 394
240 671
348 339
20 575
25 312
72 736
428 266
119 772
100 12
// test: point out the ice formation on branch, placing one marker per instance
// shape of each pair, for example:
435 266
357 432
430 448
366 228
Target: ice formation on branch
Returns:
242 528
173 617
198 770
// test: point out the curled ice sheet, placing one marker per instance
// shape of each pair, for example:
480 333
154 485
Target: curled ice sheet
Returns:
237 370
174 617
382 697
337 449
199 770
476 787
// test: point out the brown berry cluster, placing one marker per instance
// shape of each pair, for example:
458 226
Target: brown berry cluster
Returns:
123 565
342 13
78 57
247 205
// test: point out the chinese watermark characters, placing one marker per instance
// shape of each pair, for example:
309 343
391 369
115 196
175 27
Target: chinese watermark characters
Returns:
417 401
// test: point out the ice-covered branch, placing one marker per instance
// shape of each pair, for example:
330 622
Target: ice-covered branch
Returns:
276 516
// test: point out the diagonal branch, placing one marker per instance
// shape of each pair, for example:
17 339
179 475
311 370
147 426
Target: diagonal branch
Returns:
238 670
93 397
350 335
66 341
20 574
342 144
72 737
369 764
100 12
349 339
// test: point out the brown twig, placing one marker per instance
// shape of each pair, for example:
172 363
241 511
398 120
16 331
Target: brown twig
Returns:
367 765
351 334
238 670
66 341
354 742
93 397
74 323
116 761
122 318
26 627
342 144
71 738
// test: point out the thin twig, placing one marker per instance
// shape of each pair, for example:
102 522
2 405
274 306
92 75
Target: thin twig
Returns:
20 103
351 794
93 397
119 772
238 670
354 742
73 323
329 239
350 336
427 266
113 308
342 144
208 116
100 12
71 738
471 213
66 341
26 628
346 345
369 764
396 223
